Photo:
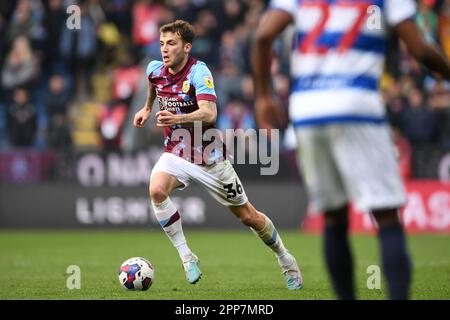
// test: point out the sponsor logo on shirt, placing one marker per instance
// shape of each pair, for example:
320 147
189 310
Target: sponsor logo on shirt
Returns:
209 82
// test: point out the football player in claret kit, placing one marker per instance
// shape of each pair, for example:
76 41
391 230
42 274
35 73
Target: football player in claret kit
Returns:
345 149
185 91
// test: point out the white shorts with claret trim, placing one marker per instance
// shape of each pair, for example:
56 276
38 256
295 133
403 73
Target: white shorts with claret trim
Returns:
350 162
219 179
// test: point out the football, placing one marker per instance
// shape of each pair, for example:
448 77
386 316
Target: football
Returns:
136 274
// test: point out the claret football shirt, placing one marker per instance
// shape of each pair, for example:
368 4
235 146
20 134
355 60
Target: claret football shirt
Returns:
179 93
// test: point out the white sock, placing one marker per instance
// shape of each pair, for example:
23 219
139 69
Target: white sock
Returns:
285 259
184 252
272 239
170 220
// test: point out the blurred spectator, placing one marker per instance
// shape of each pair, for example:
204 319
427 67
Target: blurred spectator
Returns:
59 137
183 9
26 21
119 13
56 101
110 45
230 50
111 122
394 100
229 13
228 83
22 124
407 83
147 18
78 48
55 19
247 90
440 101
125 80
3 23
427 19
20 67
418 122
236 115
57 98
205 46
439 95
444 27
244 33
95 11
404 153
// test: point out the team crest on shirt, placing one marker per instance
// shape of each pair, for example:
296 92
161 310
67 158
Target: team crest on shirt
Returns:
186 86
209 82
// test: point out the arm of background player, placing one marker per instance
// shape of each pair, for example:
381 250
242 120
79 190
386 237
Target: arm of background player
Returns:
206 113
272 23
429 56
142 115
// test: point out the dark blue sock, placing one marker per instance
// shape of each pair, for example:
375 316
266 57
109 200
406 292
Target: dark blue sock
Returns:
339 261
396 261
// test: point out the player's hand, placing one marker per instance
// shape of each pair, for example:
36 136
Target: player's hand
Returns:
141 117
269 115
166 118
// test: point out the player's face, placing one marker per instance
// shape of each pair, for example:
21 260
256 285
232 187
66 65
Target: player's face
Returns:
173 49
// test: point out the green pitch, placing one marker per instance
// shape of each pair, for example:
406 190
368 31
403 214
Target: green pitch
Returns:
235 265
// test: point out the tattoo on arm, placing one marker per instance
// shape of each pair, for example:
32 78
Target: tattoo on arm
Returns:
206 111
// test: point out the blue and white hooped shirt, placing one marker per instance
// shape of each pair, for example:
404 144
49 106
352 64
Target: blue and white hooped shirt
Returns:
338 56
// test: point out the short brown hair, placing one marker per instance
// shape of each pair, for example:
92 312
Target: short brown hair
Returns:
183 28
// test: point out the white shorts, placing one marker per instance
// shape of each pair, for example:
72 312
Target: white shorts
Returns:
350 162
219 179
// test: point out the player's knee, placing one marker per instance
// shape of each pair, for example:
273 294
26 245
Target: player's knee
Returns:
386 217
157 193
337 217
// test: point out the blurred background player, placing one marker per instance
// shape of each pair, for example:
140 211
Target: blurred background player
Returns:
344 143
185 91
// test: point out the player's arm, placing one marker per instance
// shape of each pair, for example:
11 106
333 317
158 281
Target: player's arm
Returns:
144 113
272 23
203 83
206 113
429 56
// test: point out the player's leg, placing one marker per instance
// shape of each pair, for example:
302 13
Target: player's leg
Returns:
161 186
264 228
327 194
222 182
337 251
394 252
366 157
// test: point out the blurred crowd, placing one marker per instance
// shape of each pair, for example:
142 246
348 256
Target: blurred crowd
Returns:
71 77
419 106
